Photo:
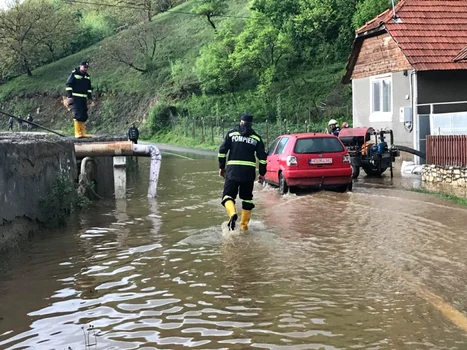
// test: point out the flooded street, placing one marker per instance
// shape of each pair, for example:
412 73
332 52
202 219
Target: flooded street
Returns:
379 268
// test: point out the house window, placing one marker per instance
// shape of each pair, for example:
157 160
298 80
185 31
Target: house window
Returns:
381 98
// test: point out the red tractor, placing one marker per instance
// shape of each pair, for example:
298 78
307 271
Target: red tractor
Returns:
369 150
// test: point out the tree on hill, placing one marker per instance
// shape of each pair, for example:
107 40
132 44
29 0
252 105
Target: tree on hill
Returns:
136 48
28 27
147 8
211 9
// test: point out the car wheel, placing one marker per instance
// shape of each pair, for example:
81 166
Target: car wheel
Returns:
283 187
355 171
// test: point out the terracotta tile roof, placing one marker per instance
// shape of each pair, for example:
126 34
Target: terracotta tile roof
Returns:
432 35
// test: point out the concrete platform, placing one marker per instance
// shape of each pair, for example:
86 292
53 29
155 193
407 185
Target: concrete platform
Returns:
101 138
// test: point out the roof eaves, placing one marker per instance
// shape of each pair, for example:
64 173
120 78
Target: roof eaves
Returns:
355 51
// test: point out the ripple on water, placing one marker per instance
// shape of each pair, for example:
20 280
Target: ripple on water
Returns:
322 271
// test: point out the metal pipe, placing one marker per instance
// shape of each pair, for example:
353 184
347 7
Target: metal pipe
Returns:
31 123
156 158
126 148
83 164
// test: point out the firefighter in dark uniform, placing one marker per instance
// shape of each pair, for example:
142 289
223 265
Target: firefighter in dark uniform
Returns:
333 128
239 171
79 91
133 133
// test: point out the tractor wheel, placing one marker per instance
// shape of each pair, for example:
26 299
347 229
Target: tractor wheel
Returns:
355 171
344 188
374 171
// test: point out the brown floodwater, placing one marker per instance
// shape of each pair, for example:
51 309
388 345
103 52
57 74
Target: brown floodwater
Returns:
378 268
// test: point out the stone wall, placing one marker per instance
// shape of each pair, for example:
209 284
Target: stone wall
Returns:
29 166
445 175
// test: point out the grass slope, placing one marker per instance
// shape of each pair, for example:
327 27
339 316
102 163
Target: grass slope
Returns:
124 95
184 35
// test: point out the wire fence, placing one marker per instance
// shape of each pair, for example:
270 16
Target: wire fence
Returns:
212 130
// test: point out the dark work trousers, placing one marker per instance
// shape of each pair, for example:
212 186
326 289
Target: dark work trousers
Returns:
244 189
134 141
80 108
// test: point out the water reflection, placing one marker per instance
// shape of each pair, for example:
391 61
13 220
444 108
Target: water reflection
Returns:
316 271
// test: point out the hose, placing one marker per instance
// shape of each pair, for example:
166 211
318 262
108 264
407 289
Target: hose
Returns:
411 151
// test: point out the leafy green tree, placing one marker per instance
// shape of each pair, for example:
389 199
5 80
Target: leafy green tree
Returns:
316 28
368 9
214 66
263 49
27 26
211 9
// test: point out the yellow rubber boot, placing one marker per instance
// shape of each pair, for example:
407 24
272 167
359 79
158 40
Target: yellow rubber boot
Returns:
246 216
77 129
83 130
232 213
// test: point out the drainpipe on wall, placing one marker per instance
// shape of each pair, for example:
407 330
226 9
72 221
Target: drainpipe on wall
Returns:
415 126
125 148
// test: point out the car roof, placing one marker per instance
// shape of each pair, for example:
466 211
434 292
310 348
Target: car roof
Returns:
307 135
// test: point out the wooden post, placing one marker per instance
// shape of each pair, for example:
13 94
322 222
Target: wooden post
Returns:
267 134
212 132
203 131
194 128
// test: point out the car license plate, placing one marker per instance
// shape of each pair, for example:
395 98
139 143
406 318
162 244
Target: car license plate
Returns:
321 161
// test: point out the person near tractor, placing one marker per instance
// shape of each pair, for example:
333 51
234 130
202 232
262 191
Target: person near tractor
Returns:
79 92
244 145
133 133
333 128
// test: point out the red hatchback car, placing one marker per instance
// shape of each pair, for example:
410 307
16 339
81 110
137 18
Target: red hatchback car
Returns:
309 160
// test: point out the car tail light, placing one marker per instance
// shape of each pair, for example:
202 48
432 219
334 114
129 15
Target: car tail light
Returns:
291 160
346 159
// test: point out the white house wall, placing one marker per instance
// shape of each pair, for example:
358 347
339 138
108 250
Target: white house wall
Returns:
401 97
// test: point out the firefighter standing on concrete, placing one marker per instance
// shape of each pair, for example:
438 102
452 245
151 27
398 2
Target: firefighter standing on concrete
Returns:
79 92
242 143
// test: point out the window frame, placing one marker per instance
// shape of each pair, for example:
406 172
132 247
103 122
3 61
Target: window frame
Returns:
272 149
334 139
381 116
285 145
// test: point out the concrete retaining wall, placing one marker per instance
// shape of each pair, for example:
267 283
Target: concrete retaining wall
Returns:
29 166
436 174
446 179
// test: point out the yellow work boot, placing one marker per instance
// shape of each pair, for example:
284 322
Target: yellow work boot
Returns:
232 213
83 130
77 129
246 215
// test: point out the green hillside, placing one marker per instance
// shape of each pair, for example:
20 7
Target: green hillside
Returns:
170 99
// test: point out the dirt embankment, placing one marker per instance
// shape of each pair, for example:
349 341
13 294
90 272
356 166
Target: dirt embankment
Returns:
108 113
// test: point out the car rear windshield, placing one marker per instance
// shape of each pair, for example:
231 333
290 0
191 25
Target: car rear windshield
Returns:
318 145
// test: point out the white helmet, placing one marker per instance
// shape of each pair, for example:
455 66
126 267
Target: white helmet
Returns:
332 121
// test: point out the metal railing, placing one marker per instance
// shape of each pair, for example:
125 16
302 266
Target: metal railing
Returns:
446 150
